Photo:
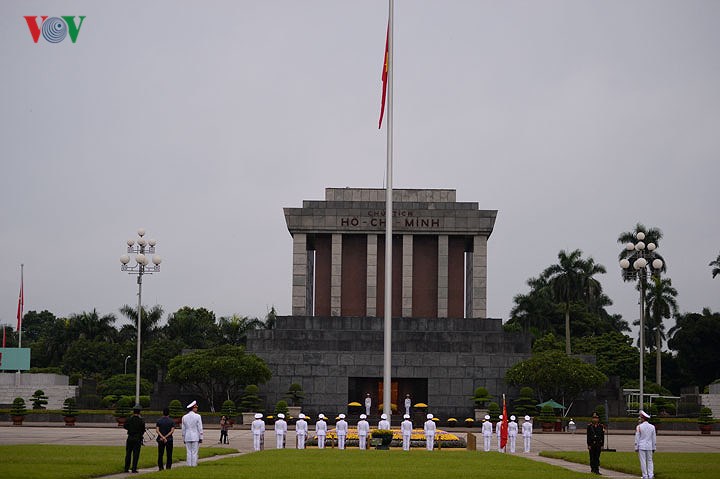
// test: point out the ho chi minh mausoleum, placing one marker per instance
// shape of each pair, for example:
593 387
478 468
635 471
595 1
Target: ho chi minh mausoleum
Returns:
443 346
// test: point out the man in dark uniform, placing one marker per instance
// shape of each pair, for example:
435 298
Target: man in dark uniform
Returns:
595 442
135 426
165 427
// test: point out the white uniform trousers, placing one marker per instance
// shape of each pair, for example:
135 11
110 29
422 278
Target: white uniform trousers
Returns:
526 443
280 441
341 442
362 440
321 441
406 443
511 440
430 441
646 463
256 441
301 441
487 440
192 453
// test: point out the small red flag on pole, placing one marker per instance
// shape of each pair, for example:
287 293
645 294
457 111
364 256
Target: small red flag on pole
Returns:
504 426
384 78
21 301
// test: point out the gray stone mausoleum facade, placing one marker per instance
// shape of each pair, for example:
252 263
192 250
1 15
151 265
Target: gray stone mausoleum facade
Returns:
443 344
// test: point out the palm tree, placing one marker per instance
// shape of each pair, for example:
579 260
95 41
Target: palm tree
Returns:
571 280
660 304
716 266
233 329
149 324
92 326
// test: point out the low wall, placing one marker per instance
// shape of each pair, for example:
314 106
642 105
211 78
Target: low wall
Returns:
23 385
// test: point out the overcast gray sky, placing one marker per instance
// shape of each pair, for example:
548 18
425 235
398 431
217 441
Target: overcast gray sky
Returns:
200 121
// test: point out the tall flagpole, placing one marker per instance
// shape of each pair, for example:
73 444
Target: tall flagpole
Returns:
387 360
21 306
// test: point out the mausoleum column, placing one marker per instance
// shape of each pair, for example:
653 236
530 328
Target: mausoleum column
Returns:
407 276
371 275
336 275
300 275
442 276
479 277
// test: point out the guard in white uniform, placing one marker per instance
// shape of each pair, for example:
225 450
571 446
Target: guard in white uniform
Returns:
192 433
429 429
384 423
341 427
280 431
363 428
408 403
301 431
321 430
645 445
258 431
498 427
487 433
368 404
512 433
406 428
527 434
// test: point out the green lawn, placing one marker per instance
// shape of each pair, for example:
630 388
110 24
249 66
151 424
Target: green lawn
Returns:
668 465
395 464
65 462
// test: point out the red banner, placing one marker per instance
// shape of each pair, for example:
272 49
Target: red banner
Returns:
384 78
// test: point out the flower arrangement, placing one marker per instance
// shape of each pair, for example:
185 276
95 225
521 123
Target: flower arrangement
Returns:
452 421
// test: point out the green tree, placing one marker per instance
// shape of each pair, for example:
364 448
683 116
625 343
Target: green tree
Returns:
92 326
555 375
549 342
660 304
525 402
39 399
234 329
149 329
90 357
695 337
37 325
250 400
223 370
614 354
123 385
193 326
716 266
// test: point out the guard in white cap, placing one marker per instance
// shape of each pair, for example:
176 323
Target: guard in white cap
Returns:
363 428
527 434
321 430
341 427
487 432
368 404
498 427
645 445
258 431
192 433
301 431
429 429
512 433
408 403
383 423
406 428
280 431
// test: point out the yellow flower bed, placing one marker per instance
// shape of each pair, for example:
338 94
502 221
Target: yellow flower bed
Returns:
417 434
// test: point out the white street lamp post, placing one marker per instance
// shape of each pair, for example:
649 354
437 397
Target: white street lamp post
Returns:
126 359
139 247
644 262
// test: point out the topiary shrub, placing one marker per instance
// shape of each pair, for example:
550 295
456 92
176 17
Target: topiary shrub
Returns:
145 401
70 408
295 394
494 411
525 403
705 418
39 399
481 397
547 414
18 407
122 407
228 408
108 401
176 410
281 407
251 401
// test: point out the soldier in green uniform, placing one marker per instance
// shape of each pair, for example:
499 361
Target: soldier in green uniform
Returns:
595 442
135 426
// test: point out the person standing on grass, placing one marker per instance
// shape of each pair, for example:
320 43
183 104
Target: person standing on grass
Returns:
363 428
301 431
192 432
258 431
406 428
595 442
135 426
527 434
341 427
165 427
429 430
321 430
645 445
487 433
280 431
512 433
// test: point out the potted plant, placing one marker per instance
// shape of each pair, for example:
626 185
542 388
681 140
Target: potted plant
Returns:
547 418
228 410
69 411
296 395
705 420
122 410
281 407
469 422
385 436
250 403
39 399
480 397
176 411
452 422
18 411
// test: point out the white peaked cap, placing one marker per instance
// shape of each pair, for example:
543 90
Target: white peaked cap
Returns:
429 416
258 415
527 418
342 416
500 416
281 415
301 416
487 417
406 416
512 418
192 404
644 414
363 416
321 416
383 416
